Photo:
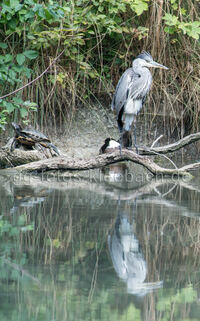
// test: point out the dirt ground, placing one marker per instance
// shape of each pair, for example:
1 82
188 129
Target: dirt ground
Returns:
85 133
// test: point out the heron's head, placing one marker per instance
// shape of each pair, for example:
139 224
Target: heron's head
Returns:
146 60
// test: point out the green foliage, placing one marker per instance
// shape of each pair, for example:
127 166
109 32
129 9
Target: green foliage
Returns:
9 236
18 20
100 38
10 252
47 25
173 25
186 295
12 72
139 6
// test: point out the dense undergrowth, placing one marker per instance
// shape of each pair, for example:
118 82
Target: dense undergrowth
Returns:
99 39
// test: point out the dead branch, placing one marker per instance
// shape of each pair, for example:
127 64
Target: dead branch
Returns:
62 163
171 147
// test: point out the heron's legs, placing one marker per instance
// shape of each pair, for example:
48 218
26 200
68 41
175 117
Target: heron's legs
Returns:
120 141
120 126
135 136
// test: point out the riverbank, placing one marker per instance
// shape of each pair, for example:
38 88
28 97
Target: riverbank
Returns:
84 132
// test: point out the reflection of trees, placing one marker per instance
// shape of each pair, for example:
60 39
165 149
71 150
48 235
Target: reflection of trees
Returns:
72 221
177 241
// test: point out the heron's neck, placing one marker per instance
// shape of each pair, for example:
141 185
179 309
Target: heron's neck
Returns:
138 69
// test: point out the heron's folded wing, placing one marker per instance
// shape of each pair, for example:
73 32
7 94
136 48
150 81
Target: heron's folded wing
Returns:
124 88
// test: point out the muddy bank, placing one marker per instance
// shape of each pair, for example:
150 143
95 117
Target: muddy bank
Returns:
85 131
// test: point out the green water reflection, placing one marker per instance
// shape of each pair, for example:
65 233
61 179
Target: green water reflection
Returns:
88 250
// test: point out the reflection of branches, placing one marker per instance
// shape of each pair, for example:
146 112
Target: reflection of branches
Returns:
22 271
173 238
101 187
94 277
169 204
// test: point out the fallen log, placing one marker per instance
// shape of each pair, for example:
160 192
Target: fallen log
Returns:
63 163
20 156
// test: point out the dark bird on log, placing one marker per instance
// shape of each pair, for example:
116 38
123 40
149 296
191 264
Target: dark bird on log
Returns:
130 94
109 145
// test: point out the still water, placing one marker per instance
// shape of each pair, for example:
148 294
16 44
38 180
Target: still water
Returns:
99 248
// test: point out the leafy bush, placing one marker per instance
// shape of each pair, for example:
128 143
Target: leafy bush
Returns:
100 39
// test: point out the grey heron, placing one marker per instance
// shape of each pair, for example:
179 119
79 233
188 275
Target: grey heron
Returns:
130 94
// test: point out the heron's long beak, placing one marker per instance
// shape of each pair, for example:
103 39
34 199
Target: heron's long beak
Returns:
157 65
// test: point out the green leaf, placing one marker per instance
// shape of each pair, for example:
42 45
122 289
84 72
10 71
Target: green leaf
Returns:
14 3
8 58
174 4
195 30
13 24
17 100
6 9
31 54
101 8
30 104
23 112
9 106
20 59
170 30
170 19
139 6
183 26
3 45
67 9
27 72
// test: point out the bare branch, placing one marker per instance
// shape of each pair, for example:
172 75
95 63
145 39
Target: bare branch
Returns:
155 141
171 147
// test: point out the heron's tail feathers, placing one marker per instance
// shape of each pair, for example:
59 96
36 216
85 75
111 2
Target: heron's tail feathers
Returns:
128 120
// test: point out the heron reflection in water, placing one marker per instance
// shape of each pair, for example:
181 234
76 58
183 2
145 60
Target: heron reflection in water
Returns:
127 257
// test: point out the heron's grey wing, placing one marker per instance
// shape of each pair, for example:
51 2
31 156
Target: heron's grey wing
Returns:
122 90
140 85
